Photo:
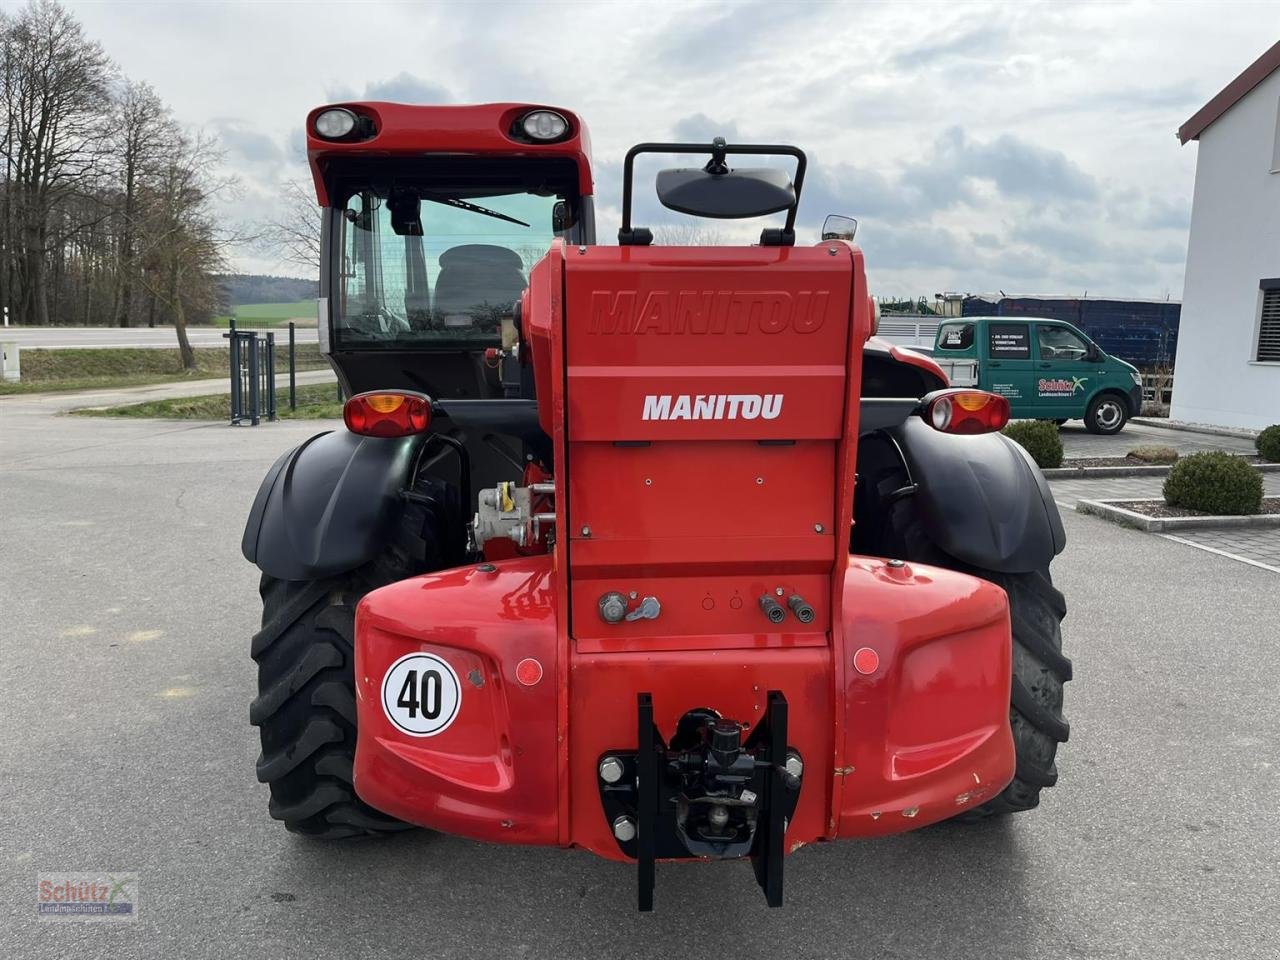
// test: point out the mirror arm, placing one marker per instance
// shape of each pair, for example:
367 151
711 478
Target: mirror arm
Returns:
759 150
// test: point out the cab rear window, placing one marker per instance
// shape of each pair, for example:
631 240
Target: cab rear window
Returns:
955 336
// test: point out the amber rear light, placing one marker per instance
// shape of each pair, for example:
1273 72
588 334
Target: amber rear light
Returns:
388 413
965 411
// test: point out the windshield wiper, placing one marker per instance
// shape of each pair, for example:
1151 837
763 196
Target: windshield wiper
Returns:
473 208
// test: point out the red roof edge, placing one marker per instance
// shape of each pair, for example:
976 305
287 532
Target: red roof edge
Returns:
1231 94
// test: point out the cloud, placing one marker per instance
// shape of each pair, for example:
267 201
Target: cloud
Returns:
404 87
979 144
699 128
244 142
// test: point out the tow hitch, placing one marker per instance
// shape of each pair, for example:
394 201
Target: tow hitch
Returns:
708 793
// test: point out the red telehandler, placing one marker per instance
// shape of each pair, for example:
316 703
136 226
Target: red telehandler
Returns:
651 550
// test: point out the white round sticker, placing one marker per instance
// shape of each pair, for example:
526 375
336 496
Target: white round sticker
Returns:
421 694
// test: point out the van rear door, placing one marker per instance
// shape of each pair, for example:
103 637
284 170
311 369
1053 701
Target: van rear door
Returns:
955 350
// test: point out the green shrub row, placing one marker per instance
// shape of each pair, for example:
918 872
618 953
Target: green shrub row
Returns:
1269 443
1214 482
1040 439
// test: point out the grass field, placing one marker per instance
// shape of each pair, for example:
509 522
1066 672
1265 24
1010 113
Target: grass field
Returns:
302 312
316 401
55 370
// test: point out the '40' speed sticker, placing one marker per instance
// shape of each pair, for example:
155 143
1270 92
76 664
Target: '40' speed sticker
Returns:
421 694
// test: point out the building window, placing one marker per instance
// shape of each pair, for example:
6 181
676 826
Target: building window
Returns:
1268 350
1275 150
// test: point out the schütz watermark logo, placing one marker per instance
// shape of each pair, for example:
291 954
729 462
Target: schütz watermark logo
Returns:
87 896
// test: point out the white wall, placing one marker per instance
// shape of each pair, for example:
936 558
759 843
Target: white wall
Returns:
1235 242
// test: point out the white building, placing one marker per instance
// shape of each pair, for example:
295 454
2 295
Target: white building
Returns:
1228 363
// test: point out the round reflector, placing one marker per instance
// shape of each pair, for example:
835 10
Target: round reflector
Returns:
529 671
866 661
335 124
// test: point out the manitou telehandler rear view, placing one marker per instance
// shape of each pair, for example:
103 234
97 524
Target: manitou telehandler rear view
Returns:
651 550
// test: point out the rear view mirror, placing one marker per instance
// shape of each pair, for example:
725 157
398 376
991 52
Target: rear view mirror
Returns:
406 213
727 195
836 227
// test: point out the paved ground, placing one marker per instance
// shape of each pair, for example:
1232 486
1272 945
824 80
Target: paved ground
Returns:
1067 492
163 336
1259 544
1079 442
124 744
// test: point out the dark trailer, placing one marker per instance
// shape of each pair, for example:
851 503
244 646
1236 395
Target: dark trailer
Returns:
1143 332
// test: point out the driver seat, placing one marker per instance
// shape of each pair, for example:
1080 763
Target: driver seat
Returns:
477 285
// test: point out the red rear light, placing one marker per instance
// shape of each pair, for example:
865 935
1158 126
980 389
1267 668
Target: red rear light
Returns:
965 411
387 413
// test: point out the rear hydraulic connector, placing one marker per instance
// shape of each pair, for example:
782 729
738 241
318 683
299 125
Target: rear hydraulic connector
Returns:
804 613
772 609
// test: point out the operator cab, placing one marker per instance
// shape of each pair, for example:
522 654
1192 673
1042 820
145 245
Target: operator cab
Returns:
432 218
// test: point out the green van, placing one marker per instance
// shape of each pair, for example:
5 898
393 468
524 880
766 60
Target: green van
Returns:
1048 369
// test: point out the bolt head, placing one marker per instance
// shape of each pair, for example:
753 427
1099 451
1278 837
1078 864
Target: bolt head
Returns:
718 816
817 528
897 563
586 531
794 765
624 828
611 769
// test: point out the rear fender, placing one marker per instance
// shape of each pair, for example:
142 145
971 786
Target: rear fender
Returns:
982 499
328 506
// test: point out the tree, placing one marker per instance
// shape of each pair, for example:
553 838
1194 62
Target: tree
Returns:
295 233
182 246
54 95
688 235
143 127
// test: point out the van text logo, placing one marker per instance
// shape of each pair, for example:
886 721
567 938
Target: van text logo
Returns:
707 311
712 406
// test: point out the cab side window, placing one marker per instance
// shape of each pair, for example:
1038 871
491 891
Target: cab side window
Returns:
1059 343
955 336
1009 341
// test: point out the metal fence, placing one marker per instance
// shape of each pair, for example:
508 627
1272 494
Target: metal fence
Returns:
253 376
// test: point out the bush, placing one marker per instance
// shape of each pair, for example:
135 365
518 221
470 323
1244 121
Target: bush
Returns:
1214 482
1040 439
1269 443
1154 454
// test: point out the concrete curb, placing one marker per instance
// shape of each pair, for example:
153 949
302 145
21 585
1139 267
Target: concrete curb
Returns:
1107 510
1084 473
1163 424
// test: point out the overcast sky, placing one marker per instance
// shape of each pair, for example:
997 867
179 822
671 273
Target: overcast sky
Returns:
1026 146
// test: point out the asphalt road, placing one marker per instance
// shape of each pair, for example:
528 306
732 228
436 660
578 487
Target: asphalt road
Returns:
162 336
125 745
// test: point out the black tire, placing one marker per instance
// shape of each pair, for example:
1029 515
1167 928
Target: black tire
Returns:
305 710
1036 610
1107 414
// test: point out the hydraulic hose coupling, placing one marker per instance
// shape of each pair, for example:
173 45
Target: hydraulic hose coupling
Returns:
804 613
772 609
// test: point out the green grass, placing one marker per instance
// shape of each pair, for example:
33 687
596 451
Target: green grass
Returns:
58 370
258 315
316 401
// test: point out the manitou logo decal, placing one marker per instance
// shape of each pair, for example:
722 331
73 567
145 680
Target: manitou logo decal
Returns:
707 311
713 406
